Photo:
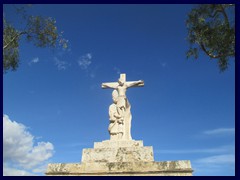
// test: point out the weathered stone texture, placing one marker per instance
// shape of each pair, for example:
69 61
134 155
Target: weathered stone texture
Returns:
120 158
122 154
166 168
115 144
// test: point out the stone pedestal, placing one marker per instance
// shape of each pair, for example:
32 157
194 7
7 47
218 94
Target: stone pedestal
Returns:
120 158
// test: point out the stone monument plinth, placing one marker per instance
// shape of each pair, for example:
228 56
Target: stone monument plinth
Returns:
121 155
120 158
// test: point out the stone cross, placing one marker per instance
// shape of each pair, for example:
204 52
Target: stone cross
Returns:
123 79
121 114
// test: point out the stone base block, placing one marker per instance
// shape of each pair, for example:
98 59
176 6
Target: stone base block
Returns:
165 168
120 143
121 154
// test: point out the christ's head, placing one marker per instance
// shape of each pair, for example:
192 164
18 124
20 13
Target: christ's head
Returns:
120 82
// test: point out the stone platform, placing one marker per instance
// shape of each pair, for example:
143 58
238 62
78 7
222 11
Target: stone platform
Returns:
120 158
165 168
118 151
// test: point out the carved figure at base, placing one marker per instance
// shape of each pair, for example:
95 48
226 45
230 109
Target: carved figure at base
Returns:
115 128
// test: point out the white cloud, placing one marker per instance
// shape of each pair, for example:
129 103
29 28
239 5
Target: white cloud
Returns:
93 87
20 155
7 171
73 145
221 160
221 149
220 131
61 65
92 75
163 64
117 70
89 55
85 61
34 61
218 159
40 169
221 165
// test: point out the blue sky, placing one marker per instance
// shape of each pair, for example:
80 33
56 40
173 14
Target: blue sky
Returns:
186 110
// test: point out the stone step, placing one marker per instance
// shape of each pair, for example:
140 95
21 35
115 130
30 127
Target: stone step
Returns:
164 168
118 154
120 143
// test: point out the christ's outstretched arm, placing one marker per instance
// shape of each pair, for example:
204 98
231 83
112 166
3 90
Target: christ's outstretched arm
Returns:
135 83
109 85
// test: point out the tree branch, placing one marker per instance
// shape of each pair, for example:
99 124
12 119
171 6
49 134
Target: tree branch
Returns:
4 41
221 10
14 38
215 13
208 53
225 16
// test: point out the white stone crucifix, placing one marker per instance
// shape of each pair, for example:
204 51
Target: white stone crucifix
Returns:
119 112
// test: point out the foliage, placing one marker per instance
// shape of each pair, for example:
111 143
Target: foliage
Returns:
211 29
41 31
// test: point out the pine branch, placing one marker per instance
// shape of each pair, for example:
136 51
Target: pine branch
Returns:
14 38
225 16
208 53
